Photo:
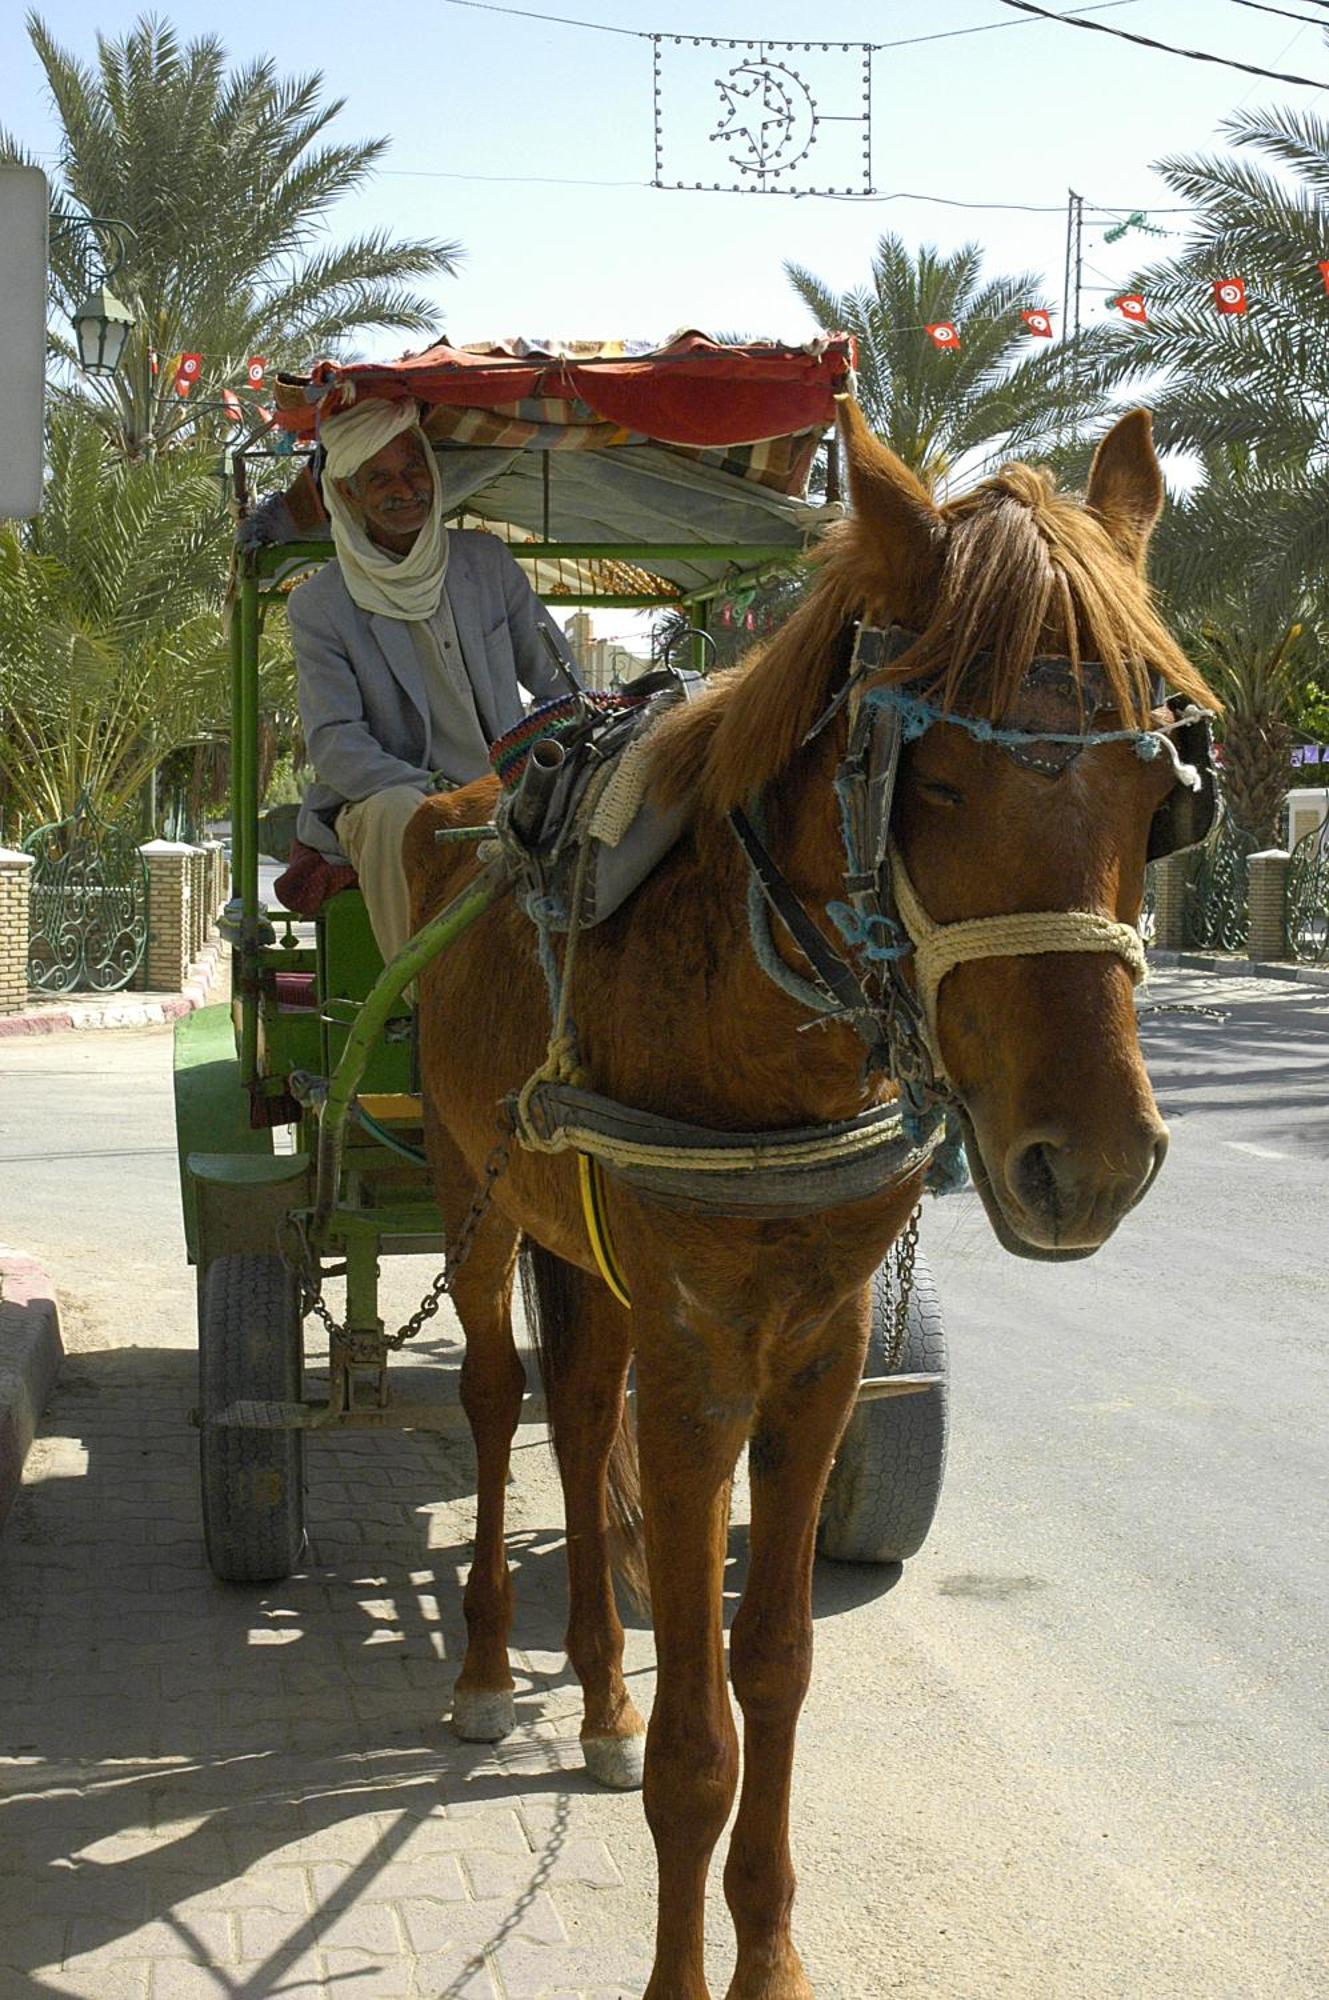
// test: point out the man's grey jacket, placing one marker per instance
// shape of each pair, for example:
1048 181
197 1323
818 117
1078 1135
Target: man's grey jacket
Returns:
363 702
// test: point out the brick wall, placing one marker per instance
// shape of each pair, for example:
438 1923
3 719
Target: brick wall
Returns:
15 873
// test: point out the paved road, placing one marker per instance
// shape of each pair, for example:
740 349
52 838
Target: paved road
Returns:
1075 1751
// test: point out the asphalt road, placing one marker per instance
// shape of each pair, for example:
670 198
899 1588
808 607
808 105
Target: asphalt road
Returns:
1076 1749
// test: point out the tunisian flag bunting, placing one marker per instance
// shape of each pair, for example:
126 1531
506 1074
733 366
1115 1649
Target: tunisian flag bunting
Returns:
187 372
232 405
1324 274
1131 306
1039 323
1230 295
943 335
254 369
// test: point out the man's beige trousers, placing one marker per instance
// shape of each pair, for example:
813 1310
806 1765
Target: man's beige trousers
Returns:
371 832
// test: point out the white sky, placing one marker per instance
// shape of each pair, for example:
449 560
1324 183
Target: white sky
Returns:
488 112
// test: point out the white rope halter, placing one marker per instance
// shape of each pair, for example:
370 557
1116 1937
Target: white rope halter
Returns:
940 947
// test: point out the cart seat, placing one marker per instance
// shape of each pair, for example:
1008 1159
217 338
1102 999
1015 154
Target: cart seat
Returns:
309 878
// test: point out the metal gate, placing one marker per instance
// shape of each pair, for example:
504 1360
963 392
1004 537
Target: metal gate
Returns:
88 916
1308 898
1217 914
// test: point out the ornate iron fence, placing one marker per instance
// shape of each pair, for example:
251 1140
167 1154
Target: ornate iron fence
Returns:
88 918
1308 897
1149 907
1217 915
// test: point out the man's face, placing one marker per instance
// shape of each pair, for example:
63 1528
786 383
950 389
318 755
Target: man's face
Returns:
392 492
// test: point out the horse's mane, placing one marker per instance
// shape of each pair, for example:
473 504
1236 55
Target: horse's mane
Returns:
1026 570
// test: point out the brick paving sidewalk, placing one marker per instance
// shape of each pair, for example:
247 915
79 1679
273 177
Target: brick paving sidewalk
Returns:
215 1791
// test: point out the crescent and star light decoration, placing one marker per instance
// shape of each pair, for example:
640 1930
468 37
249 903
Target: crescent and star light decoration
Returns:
763 117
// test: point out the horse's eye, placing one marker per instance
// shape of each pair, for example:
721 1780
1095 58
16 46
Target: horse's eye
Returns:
938 794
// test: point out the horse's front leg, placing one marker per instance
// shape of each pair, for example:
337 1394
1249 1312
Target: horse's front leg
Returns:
692 1422
803 1410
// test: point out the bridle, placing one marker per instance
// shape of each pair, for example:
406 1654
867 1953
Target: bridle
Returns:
881 917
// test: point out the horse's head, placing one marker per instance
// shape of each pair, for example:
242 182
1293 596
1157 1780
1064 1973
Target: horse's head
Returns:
1032 614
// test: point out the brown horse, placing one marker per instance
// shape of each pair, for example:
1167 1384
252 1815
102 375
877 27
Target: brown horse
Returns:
753 1332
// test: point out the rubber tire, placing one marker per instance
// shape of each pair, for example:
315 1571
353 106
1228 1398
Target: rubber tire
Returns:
249 1346
886 1481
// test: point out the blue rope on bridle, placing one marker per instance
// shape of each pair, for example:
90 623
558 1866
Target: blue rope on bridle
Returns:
917 717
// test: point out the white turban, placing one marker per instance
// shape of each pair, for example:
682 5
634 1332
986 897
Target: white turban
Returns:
408 586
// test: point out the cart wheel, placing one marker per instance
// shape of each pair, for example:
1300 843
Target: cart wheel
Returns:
886 1480
249 1347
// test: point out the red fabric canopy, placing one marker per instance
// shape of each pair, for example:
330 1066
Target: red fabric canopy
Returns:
693 392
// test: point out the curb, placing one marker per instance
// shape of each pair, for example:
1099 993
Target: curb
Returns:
1240 968
125 1010
31 1351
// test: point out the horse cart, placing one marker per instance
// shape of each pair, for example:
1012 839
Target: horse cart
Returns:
675 479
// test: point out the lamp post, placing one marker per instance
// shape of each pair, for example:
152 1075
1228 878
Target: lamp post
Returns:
102 325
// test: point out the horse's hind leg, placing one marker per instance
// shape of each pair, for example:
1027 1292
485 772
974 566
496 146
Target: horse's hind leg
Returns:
770 1649
492 1385
585 1340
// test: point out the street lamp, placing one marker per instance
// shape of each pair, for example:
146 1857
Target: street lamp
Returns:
102 325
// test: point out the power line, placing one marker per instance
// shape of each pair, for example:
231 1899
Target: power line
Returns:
643 35
560 20
1167 48
988 27
901 194
1260 7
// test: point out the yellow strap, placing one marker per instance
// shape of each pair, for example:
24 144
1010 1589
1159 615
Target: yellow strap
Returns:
597 1229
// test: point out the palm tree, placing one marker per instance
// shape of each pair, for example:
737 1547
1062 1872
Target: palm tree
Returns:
1257 644
112 653
225 181
1000 393
1243 558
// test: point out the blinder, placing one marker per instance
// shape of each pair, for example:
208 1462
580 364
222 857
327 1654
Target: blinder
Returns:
1186 817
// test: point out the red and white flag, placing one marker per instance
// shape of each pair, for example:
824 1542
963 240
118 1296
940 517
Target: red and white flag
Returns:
187 373
1230 295
1131 306
232 405
1324 274
254 369
943 335
1038 323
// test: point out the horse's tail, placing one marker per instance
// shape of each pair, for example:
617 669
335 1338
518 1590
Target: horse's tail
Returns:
558 1296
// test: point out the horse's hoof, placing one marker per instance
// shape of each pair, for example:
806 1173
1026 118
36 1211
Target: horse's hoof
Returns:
618 1762
483 1715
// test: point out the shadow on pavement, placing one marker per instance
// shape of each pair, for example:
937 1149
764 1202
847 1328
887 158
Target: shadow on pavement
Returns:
163 1734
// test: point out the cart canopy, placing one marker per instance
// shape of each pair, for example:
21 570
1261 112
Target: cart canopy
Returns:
651 451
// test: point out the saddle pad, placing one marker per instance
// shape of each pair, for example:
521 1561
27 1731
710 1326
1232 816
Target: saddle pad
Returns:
609 839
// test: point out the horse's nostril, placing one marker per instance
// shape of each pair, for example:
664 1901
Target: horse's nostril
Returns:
1032 1173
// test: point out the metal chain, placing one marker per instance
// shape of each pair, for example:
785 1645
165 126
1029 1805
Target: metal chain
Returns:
906 1250
312 1284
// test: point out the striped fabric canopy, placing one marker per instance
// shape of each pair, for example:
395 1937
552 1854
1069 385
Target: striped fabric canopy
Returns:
695 442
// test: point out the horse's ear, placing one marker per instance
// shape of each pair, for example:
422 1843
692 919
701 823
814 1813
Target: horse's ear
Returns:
1126 485
886 495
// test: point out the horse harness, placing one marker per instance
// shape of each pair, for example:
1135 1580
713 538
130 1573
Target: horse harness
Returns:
882 918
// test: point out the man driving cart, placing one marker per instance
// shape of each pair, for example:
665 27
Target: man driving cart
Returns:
411 650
